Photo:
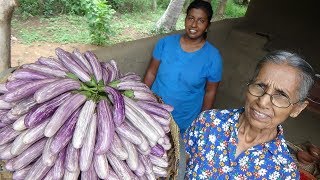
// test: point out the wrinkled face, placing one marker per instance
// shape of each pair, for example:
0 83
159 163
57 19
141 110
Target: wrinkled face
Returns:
196 23
259 111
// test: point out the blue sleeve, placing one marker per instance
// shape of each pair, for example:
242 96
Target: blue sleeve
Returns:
158 49
215 68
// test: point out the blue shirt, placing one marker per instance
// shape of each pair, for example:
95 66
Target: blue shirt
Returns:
182 76
211 143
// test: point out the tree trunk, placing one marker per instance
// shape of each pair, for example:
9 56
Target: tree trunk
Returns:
6 10
169 19
154 5
220 10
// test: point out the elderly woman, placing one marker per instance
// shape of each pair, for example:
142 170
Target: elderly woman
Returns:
248 143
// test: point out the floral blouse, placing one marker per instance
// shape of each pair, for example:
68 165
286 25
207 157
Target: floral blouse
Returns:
211 143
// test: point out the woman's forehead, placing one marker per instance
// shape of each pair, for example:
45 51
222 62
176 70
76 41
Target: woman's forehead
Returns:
279 76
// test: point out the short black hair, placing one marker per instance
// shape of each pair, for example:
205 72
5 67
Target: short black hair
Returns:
204 5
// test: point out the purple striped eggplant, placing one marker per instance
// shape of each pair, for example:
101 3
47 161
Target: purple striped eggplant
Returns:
72 158
152 109
23 106
90 174
83 122
65 133
115 66
38 170
14 84
35 133
101 166
2 124
140 169
18 125
112 72
48 157
119 167
127 84
130 76
71 65
117 148
95 65
21 174
133 159
160 105
8 134
105 76
106 128
27 74
41 112
9 165
71 175
112 175
18 146
52 63
6 154
58 168
63 112
145 160
140 95
161 120
118 103
29 155
87 150
79 57
45 70
131 134
4 105
55 88
3 88
157 150
26 90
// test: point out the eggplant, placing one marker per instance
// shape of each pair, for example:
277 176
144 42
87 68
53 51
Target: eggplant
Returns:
86 152
46 110
28 75
38 170
80 59
45 70
101 166
29 155
63 112
58 168
71 65
26 90
65 133
106 128
55 89
8 134
52 63
83 122
95 65
118 103
72 158
14 84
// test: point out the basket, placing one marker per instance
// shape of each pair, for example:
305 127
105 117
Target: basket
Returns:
173 153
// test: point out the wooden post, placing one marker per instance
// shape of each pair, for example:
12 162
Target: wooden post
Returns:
6 11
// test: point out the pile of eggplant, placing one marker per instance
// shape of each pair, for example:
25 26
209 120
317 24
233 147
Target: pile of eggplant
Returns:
72 116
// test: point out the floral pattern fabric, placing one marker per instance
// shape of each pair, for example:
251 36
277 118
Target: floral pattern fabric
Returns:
211 145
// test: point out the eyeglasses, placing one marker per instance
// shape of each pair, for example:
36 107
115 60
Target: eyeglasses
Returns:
278 100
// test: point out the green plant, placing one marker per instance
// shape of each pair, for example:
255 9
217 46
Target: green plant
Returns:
99 15
129 6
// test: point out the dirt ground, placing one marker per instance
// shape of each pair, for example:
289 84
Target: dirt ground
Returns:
22 54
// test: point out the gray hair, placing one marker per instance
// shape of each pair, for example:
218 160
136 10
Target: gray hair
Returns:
307 75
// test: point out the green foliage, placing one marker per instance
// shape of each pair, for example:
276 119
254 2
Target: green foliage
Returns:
232 10
58 29
127 6
99 15
28 8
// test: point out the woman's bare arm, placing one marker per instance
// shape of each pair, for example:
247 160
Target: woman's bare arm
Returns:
151 72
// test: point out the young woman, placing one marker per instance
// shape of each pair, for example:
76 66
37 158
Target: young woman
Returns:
185 70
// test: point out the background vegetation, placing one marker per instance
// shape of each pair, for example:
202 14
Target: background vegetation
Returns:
98 22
